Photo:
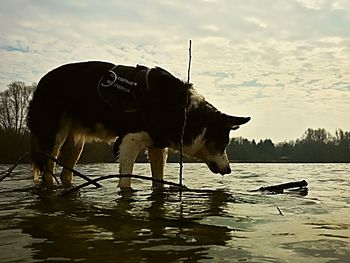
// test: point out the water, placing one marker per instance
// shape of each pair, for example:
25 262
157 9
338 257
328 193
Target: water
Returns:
228 224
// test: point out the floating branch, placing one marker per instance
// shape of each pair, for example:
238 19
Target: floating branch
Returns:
278 189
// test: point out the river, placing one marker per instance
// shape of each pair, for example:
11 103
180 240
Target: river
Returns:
227 223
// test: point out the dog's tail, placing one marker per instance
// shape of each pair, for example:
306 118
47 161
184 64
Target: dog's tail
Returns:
38 159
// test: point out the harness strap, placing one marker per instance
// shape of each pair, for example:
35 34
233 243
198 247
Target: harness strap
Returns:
127 87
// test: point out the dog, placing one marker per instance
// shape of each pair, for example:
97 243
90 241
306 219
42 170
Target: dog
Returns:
137 107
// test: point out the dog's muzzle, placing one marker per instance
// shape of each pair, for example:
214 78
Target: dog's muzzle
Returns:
215 169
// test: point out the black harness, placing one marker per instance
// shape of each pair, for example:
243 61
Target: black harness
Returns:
120 83
124 90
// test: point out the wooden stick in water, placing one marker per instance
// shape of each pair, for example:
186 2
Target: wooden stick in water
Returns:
280 187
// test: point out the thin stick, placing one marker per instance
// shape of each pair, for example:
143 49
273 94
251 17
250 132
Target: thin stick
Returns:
189 62
93 181
69 169
279 211
8 172
185 115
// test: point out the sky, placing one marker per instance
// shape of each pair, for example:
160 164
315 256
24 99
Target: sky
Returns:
284 63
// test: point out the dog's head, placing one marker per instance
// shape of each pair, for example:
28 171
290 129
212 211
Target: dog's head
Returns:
212 128
207 130
216 138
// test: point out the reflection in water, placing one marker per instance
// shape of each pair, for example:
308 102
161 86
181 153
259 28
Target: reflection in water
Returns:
130 230
226 225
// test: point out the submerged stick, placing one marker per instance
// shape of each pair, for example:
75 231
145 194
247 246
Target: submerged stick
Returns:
280 187
93 181
75 172
8 172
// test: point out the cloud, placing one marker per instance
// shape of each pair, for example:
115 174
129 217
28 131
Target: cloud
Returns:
313 4
256 22
283 62
212 28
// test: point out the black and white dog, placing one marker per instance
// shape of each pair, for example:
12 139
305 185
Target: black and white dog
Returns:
136 106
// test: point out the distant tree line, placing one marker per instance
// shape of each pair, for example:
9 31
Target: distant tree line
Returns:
316 145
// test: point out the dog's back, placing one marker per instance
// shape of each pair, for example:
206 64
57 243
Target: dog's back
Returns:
69 90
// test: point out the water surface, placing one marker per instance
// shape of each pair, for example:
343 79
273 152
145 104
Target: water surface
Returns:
226 224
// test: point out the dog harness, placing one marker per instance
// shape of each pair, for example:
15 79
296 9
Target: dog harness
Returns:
127 91
122 83
124 89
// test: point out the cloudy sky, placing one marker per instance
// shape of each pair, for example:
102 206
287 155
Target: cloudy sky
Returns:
285 63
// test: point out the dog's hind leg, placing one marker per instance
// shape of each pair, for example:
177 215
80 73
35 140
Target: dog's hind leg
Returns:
129 148
48 175
157 158
38 160
70 153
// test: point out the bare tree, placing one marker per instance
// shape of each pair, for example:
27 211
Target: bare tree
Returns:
13 106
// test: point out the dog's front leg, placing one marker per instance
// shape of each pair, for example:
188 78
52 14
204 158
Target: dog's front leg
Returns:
157 158
129 148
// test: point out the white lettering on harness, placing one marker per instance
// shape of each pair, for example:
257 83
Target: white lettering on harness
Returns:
113 78
126 81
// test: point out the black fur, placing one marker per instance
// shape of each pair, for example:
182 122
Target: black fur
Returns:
72 91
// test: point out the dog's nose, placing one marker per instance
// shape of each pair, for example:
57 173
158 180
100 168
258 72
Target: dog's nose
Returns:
221 170
227 170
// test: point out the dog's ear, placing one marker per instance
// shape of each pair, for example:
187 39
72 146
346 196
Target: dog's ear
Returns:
234 122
